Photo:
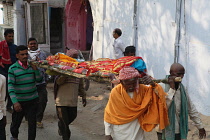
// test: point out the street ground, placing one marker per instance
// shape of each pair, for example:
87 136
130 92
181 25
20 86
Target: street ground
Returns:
89 122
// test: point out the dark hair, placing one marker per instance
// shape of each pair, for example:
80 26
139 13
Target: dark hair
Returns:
31 39
130 49
118 31
8 31
21 48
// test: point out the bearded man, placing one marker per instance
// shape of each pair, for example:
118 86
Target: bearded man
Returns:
134 108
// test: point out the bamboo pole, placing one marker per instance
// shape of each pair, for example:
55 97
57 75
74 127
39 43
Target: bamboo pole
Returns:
96 77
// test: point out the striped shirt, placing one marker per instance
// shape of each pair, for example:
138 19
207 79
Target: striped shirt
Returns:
22 83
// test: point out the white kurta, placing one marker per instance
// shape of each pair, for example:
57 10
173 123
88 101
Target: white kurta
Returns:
119 48
193 113
2 96
128 131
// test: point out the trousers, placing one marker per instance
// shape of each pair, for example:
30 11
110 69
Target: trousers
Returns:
42 92
66 116
2 128
177 136
29 108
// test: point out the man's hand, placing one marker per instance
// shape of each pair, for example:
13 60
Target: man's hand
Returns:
84 102
202 133
17 107
108 137
34 67
1 65
147 80
171 81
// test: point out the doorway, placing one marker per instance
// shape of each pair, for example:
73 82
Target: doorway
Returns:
56 30
79 26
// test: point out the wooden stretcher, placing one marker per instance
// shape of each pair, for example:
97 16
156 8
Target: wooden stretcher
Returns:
94 76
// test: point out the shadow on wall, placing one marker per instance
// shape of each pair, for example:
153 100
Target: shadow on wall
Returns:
198 53
117 14
156 35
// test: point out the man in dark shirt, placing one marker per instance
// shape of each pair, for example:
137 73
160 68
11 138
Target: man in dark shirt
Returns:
7 58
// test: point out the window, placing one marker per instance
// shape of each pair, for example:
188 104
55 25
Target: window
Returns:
37 22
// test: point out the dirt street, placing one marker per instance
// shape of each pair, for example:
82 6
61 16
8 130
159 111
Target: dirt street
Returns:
89 122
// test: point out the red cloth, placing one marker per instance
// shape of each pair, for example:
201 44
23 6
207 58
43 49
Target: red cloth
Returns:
4 53
124 61
128 73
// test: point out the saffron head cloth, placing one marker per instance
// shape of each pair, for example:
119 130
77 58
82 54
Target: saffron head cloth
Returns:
128 73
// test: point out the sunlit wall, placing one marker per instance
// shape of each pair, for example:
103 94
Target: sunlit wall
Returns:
156 32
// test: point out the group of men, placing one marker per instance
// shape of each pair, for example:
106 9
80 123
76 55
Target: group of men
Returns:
131 108
134 108
23 87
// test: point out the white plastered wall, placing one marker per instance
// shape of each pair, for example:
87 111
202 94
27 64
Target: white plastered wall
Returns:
57 3
108 15
156 37
197 53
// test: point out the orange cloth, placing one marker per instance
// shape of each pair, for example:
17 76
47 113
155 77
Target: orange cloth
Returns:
65 58
146 106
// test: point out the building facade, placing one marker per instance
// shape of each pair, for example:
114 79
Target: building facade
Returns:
162 31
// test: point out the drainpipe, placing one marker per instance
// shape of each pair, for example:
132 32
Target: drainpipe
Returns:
102 29
19 23
135 26
178 23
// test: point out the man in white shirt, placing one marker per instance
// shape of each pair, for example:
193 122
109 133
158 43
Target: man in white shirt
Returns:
119 46
179 107
2 107
35 53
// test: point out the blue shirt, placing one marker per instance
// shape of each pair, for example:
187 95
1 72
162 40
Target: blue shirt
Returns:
12 50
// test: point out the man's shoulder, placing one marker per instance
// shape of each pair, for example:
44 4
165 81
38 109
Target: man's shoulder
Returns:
116 89
13 45
120 42
2 77
119 39
15 65
1 42
43 53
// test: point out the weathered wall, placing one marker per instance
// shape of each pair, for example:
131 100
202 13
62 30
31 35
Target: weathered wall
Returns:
156 35
197 50
108 15
1 14
57 3
116 17
98 16
8 15
19 23
156 30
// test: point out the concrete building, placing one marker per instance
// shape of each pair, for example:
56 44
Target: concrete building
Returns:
162 31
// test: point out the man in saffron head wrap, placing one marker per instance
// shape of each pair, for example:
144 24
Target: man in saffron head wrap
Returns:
134 108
